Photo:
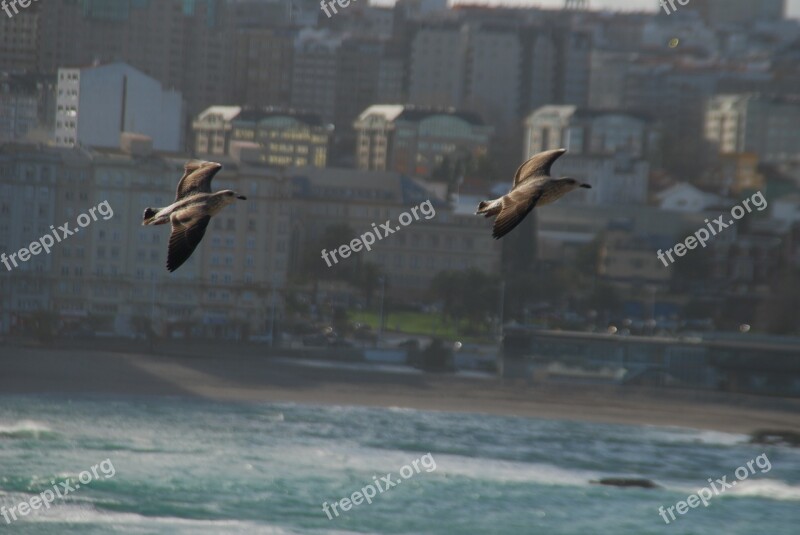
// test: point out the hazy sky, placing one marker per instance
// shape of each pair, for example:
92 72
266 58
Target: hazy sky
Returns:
794 5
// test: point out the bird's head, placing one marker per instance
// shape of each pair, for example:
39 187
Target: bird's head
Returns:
572 184
230 196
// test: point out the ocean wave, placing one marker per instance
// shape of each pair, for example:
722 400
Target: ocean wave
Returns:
90 516
402 410
765 488
333 459
273 417
513 472
772 489
27 429
350 366
682 435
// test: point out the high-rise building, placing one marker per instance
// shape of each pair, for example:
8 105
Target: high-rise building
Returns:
502 69
437 64
263 67
96 105
358 76
184 44
573 67
19 107
718 12
19 37
493 82
314 75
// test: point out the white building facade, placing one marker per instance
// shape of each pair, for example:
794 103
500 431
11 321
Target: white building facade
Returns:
95 105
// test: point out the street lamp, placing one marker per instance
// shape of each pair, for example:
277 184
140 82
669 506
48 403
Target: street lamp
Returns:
272 315
502 305
383 295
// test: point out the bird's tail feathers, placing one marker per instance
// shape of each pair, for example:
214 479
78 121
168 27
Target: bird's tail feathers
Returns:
150 215
489 208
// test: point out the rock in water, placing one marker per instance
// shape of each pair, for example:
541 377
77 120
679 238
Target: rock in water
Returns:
625 482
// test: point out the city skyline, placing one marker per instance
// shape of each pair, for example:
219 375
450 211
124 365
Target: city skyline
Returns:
793 6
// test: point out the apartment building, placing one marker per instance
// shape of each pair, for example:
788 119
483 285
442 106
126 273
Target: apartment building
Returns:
284 138
113 270
412 140
610 150
753 123
412 256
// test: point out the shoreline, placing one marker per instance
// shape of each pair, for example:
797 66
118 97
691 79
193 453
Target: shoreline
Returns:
34 371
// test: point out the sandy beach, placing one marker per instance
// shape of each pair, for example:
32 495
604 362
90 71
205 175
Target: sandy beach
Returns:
275 379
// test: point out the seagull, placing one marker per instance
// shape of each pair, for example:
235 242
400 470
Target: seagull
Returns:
192 210
533 186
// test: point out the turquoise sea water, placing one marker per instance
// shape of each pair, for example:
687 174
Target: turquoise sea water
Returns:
192 467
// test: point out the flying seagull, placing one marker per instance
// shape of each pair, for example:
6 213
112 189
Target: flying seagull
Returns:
533 186
192 210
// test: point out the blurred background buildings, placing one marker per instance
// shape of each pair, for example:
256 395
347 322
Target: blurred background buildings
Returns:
331 124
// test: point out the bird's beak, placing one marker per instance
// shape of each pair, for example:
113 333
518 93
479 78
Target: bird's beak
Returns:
587 186
242 197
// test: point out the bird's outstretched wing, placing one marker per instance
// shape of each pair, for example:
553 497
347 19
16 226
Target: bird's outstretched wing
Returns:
538 165
196 178
184 239
516 206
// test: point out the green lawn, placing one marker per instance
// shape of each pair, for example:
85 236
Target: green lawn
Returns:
414 323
